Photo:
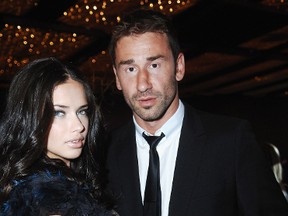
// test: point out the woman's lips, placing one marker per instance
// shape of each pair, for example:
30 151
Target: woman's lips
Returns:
76 143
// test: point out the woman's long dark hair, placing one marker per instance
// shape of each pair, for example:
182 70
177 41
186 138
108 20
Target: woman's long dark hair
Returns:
26 123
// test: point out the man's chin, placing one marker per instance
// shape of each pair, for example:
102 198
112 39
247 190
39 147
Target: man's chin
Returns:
149 116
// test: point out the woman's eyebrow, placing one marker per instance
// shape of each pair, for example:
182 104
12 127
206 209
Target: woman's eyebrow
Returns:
61 106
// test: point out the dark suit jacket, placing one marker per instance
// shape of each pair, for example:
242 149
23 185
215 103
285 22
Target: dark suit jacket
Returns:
220 170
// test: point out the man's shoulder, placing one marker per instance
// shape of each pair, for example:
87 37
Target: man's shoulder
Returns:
212 120
126 127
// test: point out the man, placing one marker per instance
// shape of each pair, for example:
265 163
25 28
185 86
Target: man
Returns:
209 165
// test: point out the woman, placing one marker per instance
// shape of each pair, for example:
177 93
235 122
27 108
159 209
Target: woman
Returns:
50 134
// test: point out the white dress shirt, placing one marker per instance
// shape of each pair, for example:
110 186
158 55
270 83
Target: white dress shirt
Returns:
167 151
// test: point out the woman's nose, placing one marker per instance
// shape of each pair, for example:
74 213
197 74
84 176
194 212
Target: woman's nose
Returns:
77 124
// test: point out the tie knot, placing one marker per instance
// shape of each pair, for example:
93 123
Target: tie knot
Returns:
153 140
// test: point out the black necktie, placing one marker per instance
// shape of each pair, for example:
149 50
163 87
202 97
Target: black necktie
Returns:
152 198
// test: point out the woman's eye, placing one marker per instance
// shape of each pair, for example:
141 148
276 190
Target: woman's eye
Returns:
83 112
58 113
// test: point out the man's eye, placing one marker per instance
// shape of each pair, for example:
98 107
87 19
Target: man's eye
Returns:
130 69
154 65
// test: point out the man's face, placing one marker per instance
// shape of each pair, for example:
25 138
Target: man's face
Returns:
146 72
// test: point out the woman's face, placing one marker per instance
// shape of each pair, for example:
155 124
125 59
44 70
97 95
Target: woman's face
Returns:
70 125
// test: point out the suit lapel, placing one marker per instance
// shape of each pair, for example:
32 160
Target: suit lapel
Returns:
128 172
189 157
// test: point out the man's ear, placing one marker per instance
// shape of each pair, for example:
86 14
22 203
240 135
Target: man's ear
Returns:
118 85
180 67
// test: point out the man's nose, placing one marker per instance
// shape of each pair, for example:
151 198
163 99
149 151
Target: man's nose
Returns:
143 81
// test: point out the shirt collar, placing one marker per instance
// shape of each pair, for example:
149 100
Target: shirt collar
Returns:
171 125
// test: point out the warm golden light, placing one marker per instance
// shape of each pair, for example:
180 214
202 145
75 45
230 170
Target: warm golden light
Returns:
90 14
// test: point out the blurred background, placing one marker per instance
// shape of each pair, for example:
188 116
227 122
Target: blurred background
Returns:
236 53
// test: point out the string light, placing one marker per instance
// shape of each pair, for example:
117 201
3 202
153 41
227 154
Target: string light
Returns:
51 42
105 13
20 44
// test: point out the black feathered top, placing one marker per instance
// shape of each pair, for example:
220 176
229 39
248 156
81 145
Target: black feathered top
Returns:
45 193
